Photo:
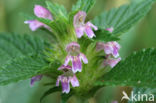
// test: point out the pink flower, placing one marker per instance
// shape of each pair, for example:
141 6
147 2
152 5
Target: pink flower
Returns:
75 57
34 79
81 27
109 48
40 12
111 62
112 48
66 78
111 29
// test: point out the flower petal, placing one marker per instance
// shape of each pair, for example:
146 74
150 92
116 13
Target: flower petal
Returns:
79 31
74 81
76 64
65 85
111 62
42 12
58 80
91 25
84 58
34 24
34 79
68 58
112 48
89 32
79 19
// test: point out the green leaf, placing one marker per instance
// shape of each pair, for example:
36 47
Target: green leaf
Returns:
50 91
84 5
139 70
124 17
104 36
22 57
56 9
14 45
22 68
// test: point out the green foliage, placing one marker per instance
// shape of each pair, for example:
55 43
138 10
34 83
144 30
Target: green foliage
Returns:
105 36
13 45
124 17
21 57
136 70
56 9
22 68
84 5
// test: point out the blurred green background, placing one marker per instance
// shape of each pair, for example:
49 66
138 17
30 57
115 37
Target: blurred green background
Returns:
142 35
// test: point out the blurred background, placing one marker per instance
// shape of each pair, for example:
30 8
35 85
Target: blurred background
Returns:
142 35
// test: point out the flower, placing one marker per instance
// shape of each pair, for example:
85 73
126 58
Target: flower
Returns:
111 29
40 12
111 62
66 78
35 78
112 48
81 27
109 48
75 56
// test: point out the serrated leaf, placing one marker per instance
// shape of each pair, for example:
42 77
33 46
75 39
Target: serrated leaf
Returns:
22 68
14 45
124 17
50 91
22 57
105 36
139 70
84 5
56 9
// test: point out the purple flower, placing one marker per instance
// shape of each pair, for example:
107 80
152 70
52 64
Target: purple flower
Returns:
111 62
112 48
34 79
75 57
111 29
40 12
66 78
81 27
109 48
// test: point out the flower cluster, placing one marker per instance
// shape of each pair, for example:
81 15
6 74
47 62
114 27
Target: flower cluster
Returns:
40 12
73 61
